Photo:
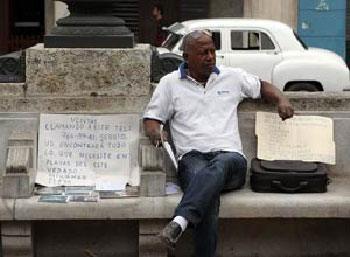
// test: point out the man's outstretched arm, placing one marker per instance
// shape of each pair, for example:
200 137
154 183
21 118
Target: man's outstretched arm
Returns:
275 96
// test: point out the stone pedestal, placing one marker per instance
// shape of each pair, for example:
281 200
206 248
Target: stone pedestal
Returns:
90 24
153 177
59 72
17 239
20 164
150 244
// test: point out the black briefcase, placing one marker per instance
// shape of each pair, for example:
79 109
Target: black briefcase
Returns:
288 177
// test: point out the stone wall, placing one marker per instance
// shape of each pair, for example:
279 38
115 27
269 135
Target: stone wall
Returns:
88 72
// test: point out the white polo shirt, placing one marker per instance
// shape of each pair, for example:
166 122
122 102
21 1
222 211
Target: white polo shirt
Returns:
203 118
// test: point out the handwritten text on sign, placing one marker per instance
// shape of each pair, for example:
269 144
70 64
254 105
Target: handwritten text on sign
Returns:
77 150
306 138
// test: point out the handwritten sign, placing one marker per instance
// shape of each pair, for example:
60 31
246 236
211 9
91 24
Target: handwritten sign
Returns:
78 150
306 138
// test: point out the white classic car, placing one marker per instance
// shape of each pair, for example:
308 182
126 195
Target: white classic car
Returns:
268 49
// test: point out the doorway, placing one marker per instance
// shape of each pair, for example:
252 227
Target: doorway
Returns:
23 25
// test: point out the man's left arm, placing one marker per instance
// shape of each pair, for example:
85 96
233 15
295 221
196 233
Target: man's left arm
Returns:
275 96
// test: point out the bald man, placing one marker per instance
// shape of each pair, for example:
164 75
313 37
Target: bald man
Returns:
200 101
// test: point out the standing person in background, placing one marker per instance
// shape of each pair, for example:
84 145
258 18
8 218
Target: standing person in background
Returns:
161 34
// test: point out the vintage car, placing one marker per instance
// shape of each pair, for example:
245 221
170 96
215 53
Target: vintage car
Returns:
268 49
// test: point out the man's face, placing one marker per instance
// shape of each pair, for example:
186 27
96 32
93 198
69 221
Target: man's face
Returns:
201 57
155 11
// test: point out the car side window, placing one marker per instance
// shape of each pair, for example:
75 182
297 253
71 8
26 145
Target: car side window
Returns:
250 40
266 42
216 36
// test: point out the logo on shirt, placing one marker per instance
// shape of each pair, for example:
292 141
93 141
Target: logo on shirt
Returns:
223 92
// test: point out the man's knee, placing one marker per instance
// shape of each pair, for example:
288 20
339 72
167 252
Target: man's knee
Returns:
236 170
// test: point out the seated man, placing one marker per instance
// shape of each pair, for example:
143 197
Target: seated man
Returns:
200 100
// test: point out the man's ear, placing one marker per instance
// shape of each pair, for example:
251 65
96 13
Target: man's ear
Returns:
185 56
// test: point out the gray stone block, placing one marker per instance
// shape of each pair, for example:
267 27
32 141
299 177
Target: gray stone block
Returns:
25 138
18 159
88 72
151 158
16 186
12 89
17 240
153 183
66 104
10 123
342 145
150 244
22 138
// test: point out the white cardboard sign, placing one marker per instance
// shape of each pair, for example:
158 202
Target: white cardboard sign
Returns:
78 150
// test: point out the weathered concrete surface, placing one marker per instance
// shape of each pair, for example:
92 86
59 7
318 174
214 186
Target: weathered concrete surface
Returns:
283 238
17 239
150 244
16 186
86 239
239 204
12 123
151 158
11 89
7 209
82 72
75 104
302 101
277 238
152 183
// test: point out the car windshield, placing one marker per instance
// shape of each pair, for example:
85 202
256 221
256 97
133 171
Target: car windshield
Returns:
300 41
171 41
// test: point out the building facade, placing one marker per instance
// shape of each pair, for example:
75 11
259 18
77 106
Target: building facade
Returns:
25 22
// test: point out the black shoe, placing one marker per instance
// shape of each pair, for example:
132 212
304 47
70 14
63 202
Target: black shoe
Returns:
170 234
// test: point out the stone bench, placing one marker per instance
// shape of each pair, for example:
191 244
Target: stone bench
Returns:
248 220
21 216
238 204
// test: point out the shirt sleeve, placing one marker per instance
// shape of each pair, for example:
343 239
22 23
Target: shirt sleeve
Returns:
160 106
250 85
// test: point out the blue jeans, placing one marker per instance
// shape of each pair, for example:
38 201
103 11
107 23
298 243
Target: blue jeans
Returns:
202 177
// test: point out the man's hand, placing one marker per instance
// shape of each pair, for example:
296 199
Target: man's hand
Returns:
153 132
273 95
285 109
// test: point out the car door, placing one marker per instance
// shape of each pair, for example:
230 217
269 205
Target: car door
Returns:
218 38
253 50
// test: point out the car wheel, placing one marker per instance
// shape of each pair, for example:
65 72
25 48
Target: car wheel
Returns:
302 86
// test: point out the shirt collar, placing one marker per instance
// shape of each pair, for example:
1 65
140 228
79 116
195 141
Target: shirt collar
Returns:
184 67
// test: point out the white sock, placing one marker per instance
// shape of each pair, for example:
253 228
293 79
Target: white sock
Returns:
181 221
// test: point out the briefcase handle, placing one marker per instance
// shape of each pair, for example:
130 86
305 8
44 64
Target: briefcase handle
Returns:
278 184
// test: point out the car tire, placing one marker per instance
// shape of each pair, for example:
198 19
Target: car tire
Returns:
302 86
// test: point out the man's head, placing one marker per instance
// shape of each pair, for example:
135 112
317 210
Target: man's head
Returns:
199 53
157 11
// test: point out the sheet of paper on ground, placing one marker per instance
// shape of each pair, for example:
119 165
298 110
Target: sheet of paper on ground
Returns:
78 150
306 138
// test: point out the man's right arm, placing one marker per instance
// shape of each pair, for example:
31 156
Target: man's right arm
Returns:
152 129
158 112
